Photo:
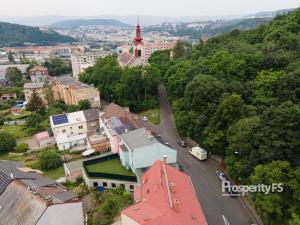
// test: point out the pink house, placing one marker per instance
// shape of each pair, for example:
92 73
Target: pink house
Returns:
166 196
43 139
115 120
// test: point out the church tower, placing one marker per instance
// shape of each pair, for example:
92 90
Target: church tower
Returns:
138 41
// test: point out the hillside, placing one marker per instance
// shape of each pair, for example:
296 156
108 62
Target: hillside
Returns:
238 96
196 30
90 22
18 35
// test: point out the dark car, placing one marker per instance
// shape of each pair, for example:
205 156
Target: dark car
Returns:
181 143
179 167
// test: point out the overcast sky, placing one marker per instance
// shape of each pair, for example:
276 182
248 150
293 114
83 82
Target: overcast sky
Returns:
140 7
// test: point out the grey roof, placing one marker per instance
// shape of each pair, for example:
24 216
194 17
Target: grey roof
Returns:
19 206
63 214
64 196
66 80
42 182
4 181
34 85
138 138
91 114
24 199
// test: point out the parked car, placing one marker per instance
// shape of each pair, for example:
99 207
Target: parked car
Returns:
221 175
144 118
181 143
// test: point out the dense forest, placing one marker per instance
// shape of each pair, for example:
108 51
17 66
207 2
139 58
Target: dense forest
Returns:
132 87
18 35
238 96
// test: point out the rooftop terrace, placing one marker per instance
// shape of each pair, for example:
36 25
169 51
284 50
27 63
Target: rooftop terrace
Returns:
108 167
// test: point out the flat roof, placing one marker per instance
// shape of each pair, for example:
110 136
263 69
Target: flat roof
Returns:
73 118
138 138
34 85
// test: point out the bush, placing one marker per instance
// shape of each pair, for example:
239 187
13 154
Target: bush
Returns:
7 142
50 160
23 147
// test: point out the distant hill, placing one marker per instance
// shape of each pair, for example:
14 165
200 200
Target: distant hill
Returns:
270 14
19 35
90 22
196 30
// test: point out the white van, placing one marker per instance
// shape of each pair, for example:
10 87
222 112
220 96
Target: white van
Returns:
199 153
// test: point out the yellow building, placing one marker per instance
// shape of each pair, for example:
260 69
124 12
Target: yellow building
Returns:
39 87
71 92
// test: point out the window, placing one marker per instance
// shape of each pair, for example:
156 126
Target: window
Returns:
64 131
80 127
95 184
131 187
104 184
92 124
71 128
113 185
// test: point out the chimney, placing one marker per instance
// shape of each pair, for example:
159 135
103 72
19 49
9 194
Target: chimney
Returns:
165 159
176 204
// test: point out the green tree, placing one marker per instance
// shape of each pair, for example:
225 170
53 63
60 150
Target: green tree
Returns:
84 104
34 122
182 49
10 57
230 110
13 75
105 75
275 207
265 87
161 60
7 142
49 160
36 104
278 136
23 147
295 220
242 150
57 66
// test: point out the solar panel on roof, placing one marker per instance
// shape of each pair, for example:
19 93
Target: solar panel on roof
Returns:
60 119
120 130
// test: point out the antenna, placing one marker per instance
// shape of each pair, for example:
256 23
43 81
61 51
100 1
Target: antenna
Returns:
138 20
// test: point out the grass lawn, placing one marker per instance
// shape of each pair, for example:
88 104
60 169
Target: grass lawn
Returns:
55 173
16 130
23 115
153 115
112 166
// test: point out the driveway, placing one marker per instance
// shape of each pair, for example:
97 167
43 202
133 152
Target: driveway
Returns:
202 173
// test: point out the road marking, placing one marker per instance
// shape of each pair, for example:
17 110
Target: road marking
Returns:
225 220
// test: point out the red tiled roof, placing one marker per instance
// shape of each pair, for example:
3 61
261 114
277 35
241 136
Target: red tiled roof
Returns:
155 207
38 68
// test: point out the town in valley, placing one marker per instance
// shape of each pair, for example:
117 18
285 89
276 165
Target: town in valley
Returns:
133 119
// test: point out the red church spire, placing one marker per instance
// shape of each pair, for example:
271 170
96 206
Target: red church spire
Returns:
138 38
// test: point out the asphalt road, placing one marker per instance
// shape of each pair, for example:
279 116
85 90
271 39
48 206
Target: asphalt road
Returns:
202 173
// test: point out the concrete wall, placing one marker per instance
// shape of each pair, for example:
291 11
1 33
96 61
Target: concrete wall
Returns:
96 182
146 156
40 91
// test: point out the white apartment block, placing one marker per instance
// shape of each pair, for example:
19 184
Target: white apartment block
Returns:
80 62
